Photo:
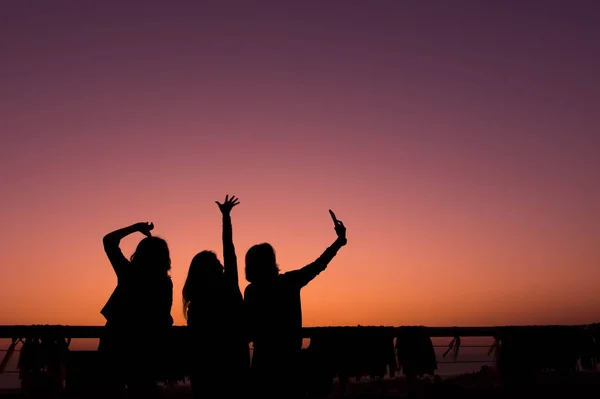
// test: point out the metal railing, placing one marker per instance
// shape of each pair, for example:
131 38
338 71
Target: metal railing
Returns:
21 332
26 331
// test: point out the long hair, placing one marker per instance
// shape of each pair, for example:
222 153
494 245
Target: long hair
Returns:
261 263
204 276
152 257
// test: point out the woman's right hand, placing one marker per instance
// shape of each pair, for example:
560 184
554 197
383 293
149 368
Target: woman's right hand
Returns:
339 227
144 228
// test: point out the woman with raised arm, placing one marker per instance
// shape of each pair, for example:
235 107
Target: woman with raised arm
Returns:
213 307
138 313
273 308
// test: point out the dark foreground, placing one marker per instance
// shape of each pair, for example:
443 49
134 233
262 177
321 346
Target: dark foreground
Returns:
475 385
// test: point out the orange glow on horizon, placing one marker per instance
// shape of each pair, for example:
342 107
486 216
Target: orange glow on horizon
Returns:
467 178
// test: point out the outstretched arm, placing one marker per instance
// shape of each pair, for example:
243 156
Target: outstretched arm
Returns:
305 275
229 257
112 240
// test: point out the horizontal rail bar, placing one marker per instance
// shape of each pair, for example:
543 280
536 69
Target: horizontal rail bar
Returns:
464 361
25 331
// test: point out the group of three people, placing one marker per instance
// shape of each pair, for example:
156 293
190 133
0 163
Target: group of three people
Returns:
221 322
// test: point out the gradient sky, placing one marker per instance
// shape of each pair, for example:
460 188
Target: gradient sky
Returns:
458 141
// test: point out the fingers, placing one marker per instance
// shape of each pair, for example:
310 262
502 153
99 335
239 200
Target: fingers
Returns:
146 229
228 204
233 201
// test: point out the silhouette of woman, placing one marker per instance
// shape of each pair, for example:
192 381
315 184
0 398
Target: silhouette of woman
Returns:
273 307
138 313
213 307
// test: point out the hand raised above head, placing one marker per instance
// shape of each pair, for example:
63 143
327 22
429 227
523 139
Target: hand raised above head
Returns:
339 227
144 228
228 204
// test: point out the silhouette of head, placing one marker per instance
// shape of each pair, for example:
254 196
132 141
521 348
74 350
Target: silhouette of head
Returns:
205 274
152 256
261 264
205 267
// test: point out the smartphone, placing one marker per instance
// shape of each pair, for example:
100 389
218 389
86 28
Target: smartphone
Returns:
333 216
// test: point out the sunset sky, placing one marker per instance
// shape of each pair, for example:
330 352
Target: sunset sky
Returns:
458 141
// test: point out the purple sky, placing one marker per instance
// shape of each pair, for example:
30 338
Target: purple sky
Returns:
463 129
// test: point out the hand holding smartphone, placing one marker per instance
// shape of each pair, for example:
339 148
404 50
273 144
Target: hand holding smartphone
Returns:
340 229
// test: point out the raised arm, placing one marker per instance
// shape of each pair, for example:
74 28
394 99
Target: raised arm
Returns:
305 275
229 257
112 240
